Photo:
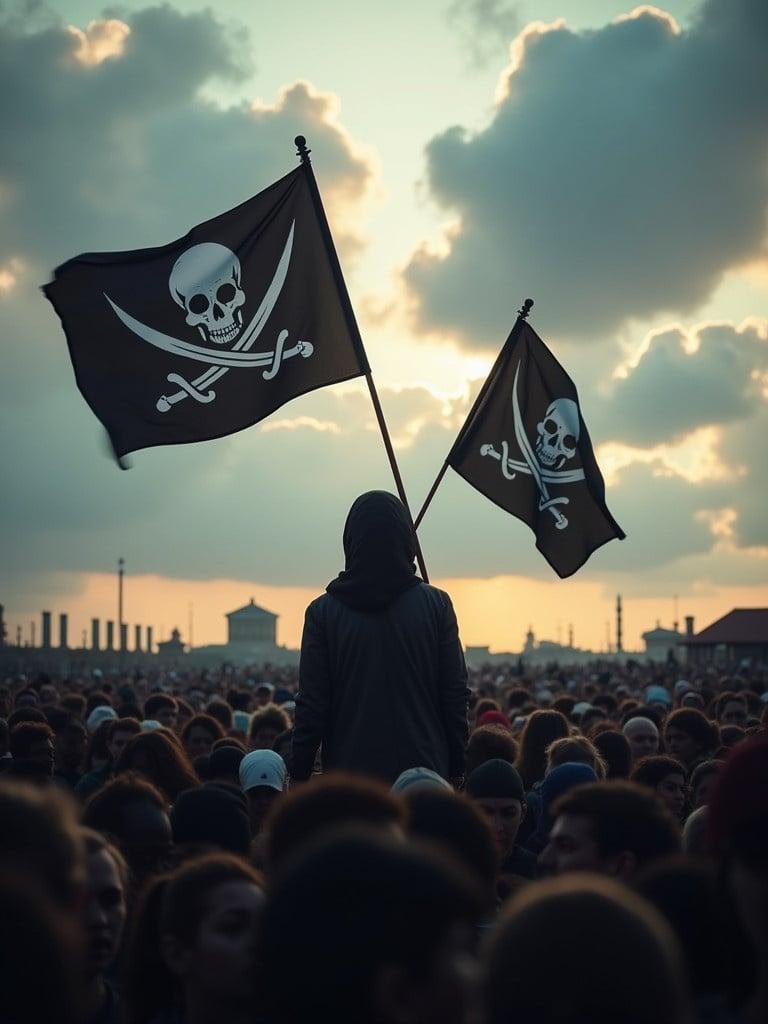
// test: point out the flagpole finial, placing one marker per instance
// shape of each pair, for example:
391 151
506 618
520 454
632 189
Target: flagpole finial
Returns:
526 309
301 149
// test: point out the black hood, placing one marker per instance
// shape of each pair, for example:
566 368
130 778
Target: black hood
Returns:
379 552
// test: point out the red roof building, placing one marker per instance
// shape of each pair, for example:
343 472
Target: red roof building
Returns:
742 633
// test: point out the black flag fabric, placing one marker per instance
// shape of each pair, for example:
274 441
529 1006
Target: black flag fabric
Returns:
527 449
211 333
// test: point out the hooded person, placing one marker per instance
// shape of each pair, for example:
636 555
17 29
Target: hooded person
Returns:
382 679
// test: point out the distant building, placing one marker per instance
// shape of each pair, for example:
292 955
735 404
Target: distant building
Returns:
251 625
171 649
662 644
741 634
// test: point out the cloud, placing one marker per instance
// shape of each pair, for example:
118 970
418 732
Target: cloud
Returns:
485 27
621 174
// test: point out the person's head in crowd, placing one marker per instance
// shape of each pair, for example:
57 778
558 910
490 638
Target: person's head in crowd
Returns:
455 824
26 713
133 812
96 699
565 704
222 712
730 735
97 754
584 950
696 833
495 718
643 737
488 742
267 723
211 816
263 694
184 712
33 742
130 709
687 894
100 714
613 828
262 778
738 828
394 943
731 709
690 737
692 699
667 778
162 708
560 780
74 703
607 702
70 745
591 717
497 790
483 705
104 913
26 698
283 745
193 945
224 764
41 962
161 760
575 750
119 735
325 802
199 734
421 778
702 782
613 747
49 693
541 728
39 838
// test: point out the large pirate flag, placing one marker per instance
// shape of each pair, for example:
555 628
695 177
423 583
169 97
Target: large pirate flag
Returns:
525 446
213 332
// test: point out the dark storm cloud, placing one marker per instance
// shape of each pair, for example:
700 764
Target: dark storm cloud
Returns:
621 174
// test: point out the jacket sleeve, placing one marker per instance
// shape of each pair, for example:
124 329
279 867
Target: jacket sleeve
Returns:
453 691
314 697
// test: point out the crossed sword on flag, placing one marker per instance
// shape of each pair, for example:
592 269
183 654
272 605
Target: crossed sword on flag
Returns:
220 362
511 467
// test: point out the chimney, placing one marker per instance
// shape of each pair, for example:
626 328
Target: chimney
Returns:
123 637
95 637
137 638
110 635
46 629
619 640
63 629
689 626
3 632
149 639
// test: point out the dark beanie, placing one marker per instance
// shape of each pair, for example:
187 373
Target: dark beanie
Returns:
495 780
225 760
211 815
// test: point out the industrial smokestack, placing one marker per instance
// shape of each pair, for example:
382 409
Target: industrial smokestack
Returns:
149 639
137 638
689 625
619 634
110 635
95 635
46 629
63 630
123 637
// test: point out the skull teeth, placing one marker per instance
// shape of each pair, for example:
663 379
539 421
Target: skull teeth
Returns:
224 334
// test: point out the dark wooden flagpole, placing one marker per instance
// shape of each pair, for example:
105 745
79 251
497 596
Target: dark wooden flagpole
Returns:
522 315
303 152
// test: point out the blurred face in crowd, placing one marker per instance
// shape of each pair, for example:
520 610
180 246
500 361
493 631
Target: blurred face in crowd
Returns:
571 846
220 963
198 742
146 838
505 817
642 736
104 911
681 745
70 746
117 743
734 713
264 738
167 717
703 790
672 791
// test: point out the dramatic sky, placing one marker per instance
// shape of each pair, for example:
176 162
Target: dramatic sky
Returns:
609 161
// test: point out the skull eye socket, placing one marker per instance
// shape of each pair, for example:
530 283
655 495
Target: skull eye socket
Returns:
198 304
569 442
225 292
550 426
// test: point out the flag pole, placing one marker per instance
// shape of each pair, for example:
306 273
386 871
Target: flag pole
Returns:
522 315
349 314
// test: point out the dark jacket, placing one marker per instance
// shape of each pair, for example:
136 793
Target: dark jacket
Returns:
382 690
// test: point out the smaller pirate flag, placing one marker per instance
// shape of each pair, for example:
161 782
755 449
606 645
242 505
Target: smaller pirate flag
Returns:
211 333
525 446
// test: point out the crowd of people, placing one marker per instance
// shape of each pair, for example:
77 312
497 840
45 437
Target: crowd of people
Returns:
602 856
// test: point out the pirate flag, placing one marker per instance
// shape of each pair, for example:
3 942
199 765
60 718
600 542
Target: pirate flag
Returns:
211 333
526 447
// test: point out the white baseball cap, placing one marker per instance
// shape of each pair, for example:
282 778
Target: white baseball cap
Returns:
413 777
262 768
